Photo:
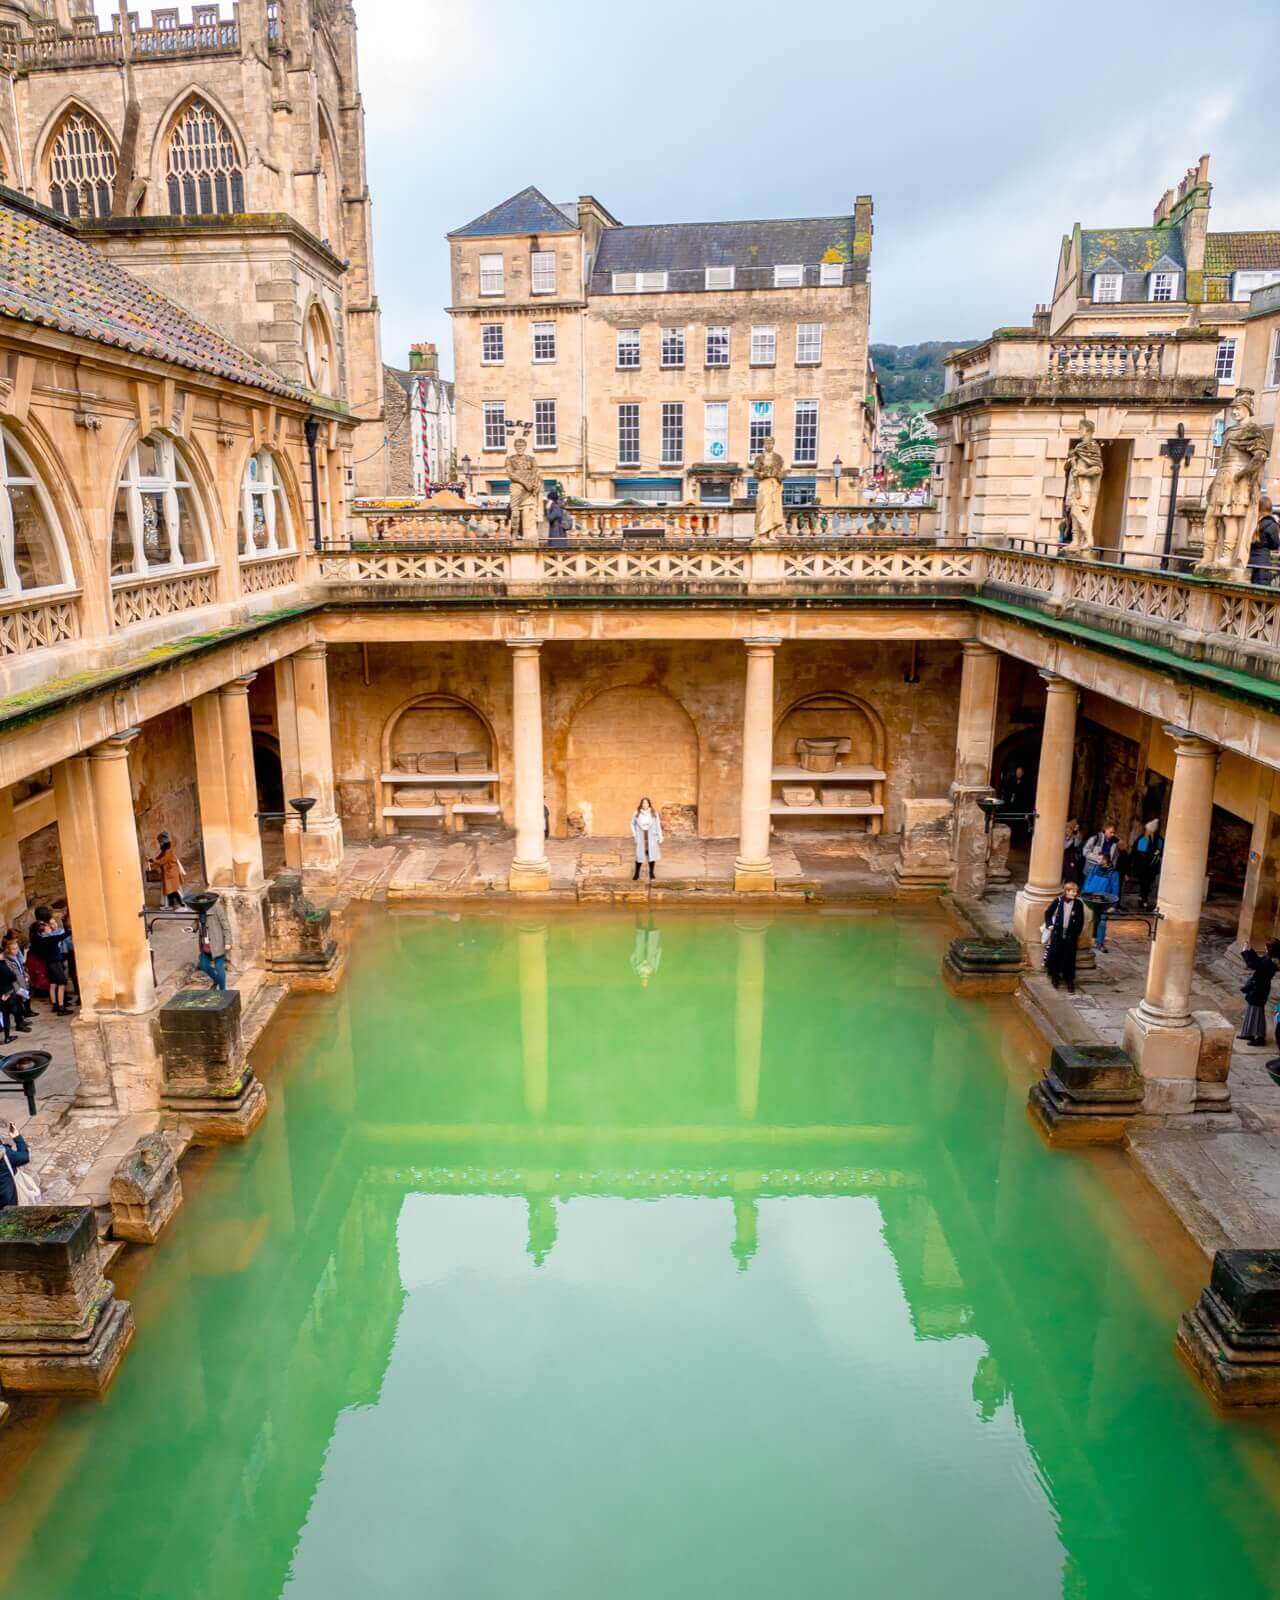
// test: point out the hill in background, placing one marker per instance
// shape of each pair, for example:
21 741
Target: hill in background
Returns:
910 372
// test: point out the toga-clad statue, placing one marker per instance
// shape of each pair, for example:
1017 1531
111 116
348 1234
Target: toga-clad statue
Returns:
769 472
1084 475
1232 510
526 486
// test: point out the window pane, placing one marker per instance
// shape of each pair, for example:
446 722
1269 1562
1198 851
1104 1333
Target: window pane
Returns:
155 538
806 446
543 273
495 424
716 430
1225 369
121 538
35 553
673 347
629 347
717 347
791 277
764 347
809 344
149 458
629 436
491 342
204 173
491 274
761 426
832 273
544 424
544 341
672 432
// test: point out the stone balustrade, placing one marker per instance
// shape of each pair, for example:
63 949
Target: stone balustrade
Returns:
50 47
1021 363
1106 357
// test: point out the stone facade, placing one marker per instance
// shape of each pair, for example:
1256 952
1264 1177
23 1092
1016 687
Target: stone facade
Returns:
420 426
689 344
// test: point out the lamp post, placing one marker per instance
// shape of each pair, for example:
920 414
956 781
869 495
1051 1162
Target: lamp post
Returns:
311 433
466 473
837 469
1178 450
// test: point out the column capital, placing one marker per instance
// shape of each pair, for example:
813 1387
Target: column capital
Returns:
528 644
1186 743
762 644
238 686
316 651
1055 683
116 748
976 648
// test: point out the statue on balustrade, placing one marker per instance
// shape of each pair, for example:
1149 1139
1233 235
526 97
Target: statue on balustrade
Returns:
769 472
1232 510
1084 478
525 489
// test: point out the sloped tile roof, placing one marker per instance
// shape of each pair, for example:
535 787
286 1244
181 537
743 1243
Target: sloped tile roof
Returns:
1241 252
527 212
679 248
49 277
1131 249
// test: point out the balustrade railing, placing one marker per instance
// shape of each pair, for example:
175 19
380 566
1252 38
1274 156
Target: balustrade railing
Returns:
1105 358
37 624
208 34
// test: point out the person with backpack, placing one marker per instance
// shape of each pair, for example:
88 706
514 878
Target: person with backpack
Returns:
1266 541
15 1190
1102 878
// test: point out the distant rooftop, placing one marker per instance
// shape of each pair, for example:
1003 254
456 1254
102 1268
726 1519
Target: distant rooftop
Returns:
527 212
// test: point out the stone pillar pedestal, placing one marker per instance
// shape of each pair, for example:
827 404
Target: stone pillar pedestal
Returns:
1231 1336
1160 1033
62 1330
753 868
1053 799
971 841
306 760
1087 1095
301 944
926 857
530 869
208 1083
145 1190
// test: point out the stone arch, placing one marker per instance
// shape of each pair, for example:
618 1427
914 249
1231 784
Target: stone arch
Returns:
831 714
59 488
76 161
332 230
198 162
319 348
626 741
415 737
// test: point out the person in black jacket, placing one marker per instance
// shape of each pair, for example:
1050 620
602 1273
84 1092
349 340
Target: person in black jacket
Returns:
1257 990
1065 921
15 1148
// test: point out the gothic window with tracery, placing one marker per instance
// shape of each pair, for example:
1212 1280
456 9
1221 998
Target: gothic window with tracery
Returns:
82 168
204 174
33 555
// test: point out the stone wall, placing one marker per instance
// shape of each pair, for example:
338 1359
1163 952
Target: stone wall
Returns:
399 452
162 764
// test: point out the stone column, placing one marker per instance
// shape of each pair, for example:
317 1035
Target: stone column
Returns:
975 745
530 869
121 867
1053 801
532 947
241 782
1160 1033
753 869
212 790
13 894
306 756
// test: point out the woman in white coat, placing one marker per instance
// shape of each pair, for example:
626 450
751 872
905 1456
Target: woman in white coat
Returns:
646 830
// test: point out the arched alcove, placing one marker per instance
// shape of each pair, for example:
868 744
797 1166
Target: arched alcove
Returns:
438 765
626 742
833 744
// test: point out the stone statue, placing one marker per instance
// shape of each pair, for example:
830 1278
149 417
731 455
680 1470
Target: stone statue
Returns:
1084 475
769 472
526 488
1232 510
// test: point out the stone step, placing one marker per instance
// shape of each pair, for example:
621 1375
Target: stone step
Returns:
94 1188
260 1011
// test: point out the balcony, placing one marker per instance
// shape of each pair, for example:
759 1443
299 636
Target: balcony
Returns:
1021 365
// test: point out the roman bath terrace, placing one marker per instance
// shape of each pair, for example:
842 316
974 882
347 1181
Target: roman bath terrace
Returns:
559 1061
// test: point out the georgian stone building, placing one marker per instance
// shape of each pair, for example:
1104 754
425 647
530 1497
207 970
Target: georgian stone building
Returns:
223 160
650 363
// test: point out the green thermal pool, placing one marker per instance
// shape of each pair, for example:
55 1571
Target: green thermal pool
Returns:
602 1257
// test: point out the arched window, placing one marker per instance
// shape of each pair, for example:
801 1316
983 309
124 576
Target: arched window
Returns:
318 349
330 206
33 555
157 524
82 168
265 524
204 173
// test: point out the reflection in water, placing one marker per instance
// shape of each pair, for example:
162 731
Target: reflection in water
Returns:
460 1318
646 952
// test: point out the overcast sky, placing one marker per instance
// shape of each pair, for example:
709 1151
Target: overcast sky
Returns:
981 131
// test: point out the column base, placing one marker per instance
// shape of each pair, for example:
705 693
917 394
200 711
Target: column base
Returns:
117 1060
71 1366
1086 1096
1231 1337
245 910
221 1119
319 849
529 877
972 841
1029 907
983 966
1167 1055
754 877
208 1085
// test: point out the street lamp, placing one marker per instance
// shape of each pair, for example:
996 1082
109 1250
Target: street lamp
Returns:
466 472
837 467
1177 450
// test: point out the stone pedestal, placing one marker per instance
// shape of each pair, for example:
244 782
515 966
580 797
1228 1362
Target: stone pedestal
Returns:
62 1330
1087 1095
207 1081
983 966
246 912
925 864
1217 1037
117 1060
1231 1336
301 944
971 839
145 1190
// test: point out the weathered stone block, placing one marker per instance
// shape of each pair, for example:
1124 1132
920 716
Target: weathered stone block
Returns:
925 862
208 1081
301 945
145 1190
62 1330
1231 1336
983 966
1217 1036
1086 1095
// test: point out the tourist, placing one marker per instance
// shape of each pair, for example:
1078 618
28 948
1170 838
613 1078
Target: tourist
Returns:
63 913
13 1154
48 945
555 517
646 830
1266 541
1257 991
11 950
1073 853
14 993
171 871
215 944
1063 924
1102 878
1145 856
1017 795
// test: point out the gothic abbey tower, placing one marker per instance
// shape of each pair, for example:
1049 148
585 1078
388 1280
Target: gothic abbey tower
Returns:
222 159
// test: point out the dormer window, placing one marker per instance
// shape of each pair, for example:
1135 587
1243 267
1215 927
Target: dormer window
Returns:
788 277
719 278
1107 287
831 274
639 282
1164 286
1244 283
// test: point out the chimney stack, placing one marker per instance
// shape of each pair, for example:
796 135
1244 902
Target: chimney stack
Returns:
424 358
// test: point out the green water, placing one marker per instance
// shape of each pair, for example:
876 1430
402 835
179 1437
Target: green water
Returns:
579 1261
